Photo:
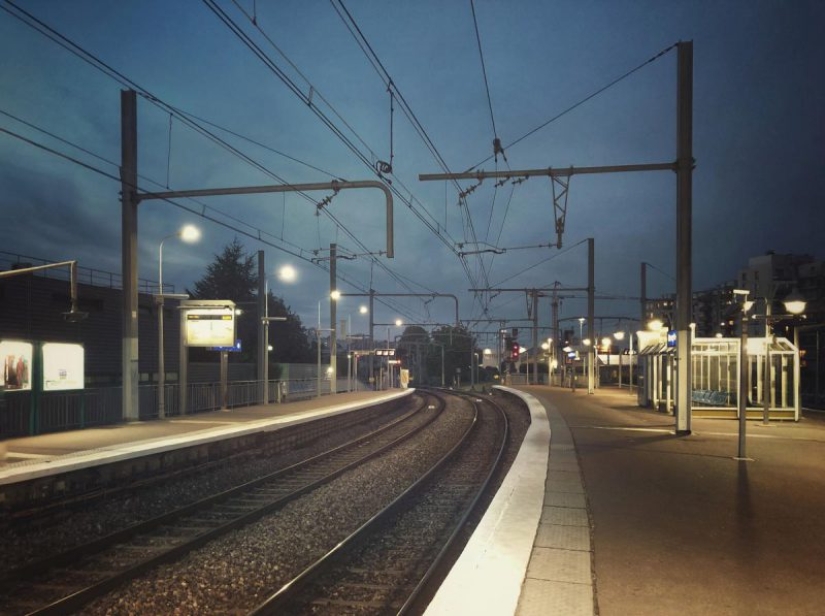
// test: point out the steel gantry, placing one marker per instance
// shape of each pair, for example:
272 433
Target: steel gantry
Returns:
131 198
683 167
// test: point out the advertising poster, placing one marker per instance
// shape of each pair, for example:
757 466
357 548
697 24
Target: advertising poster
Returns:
17 362
63 366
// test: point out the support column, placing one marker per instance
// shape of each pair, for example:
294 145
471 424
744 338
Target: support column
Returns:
372 340
591 309
263 328
535 337
684 196
129 267
333 305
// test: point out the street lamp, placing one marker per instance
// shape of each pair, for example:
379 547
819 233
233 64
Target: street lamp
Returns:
398 323
619 336
742 394
189 234
287 274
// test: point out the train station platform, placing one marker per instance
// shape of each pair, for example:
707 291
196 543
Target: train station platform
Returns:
607 511
38 456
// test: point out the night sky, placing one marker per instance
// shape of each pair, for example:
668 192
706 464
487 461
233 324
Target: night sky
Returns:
314 91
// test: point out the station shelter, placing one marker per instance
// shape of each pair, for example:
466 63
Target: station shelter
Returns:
773 376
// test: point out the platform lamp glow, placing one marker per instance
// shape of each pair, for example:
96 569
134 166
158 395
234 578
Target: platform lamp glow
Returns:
188 234
619 335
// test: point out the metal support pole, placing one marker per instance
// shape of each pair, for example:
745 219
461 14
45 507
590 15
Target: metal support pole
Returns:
767 386
333 305
372 340
535 338
224 380
743 389
129 266
630 369
161 354
591 308
318 370
183 369
643 297
263 330
684 206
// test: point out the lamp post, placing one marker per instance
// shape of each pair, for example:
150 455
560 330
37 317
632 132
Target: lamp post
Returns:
619 336
189 234
742 394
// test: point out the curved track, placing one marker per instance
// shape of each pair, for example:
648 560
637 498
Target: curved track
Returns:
384 566
64 582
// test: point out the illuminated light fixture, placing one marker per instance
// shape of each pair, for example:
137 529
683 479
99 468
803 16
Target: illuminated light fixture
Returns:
655 325
287 273
335 294
794 302
619 335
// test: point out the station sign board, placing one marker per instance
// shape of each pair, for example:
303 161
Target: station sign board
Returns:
208 323
385 352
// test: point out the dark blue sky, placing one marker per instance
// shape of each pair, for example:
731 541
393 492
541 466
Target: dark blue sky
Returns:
759 140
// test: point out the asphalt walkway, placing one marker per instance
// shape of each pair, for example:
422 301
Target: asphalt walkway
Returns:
678 526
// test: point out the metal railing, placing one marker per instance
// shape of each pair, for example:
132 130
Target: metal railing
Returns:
21 415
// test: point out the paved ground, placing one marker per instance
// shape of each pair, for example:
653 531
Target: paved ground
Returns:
680 527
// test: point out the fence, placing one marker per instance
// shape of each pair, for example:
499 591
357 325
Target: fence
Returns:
22 415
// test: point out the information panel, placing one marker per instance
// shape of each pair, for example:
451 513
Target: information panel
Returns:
17 361
210 327
63 366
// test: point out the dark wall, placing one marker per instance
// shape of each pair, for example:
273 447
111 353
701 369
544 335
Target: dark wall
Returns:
32 307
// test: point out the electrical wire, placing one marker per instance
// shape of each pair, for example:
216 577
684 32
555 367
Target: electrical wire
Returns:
581 102
97 63
484 70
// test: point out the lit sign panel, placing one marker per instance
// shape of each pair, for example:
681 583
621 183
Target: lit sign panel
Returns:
63 366
671 338
210 327
17 365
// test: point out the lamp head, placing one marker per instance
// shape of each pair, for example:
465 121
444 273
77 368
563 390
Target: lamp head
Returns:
794 302
189 234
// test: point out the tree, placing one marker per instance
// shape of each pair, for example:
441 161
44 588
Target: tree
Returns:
412 348
233 276
458 348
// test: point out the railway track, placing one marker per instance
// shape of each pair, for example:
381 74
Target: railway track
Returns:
63 583
385 565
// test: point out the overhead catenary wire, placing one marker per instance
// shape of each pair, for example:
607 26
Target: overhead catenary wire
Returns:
202 214
496 141
580 102
386 78
122 79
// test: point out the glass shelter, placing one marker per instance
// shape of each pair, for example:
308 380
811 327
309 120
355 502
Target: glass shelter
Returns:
773 369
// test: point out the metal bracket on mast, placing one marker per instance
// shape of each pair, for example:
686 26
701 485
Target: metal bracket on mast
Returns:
560 203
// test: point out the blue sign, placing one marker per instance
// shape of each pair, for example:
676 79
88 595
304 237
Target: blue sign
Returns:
229 349
671 338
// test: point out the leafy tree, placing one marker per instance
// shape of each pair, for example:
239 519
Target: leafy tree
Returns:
458 345
412 351
233 275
